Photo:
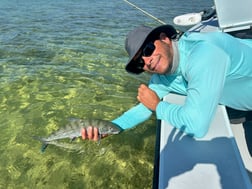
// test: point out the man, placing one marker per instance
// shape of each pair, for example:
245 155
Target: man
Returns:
209 68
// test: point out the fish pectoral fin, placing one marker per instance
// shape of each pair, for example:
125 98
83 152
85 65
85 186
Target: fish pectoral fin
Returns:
72 139
99 139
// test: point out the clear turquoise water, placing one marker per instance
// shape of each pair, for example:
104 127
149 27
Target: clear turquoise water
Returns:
65 58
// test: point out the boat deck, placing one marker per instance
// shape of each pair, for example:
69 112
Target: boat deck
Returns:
214 161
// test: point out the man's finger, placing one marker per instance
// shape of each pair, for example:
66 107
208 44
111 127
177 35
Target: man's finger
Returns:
83 133
90 132
96 134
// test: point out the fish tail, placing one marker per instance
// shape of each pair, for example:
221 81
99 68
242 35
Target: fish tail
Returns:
44 143
43 147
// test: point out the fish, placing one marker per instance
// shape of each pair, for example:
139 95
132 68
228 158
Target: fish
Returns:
71 147
72 130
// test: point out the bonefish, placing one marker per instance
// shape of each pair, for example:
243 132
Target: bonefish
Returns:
73 130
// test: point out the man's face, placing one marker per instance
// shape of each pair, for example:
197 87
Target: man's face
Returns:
158 56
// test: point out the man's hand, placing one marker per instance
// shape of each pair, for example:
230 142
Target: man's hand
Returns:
148 97
91 133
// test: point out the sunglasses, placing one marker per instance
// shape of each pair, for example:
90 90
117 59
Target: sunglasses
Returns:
148 49
147 52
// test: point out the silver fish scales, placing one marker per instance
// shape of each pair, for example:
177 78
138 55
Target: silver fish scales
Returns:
73 130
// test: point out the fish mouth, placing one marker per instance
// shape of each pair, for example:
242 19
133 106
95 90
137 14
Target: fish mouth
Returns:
116 132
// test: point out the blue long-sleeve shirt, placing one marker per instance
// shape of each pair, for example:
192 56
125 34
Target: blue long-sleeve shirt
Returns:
214 68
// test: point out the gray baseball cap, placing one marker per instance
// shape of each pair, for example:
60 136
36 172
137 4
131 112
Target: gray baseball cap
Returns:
138 37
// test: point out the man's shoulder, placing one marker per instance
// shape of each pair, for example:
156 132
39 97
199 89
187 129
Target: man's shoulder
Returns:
192 40
197 36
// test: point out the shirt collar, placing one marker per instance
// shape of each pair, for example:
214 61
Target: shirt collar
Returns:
175 61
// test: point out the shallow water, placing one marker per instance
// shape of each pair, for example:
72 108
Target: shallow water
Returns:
62 59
